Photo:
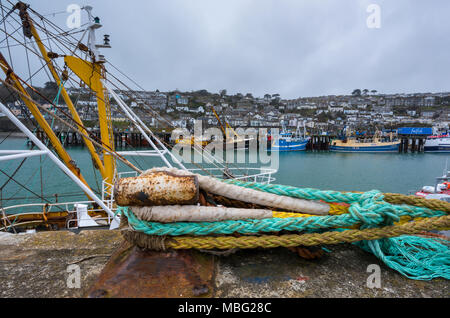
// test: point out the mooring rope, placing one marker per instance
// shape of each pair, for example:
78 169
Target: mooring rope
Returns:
433 204
377 222
298 224
291 240
336 196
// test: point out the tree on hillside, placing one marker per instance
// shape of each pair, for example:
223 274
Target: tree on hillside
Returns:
323 117
356 92
374 91
365 91
51 86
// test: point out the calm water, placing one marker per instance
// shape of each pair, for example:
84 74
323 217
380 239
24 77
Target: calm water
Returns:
394 172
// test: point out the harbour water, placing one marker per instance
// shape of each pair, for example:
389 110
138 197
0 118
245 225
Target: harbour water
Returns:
387 172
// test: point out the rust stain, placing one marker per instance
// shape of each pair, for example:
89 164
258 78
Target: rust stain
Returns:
133 272
308 252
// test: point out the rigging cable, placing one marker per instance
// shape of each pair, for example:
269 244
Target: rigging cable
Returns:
4 26
158 115
23 186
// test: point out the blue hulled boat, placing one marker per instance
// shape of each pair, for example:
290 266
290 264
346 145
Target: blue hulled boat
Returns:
288 141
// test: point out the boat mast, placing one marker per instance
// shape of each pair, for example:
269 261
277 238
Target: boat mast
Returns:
92 74
218 119
29 25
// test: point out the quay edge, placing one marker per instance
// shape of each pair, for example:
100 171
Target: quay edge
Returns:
35 265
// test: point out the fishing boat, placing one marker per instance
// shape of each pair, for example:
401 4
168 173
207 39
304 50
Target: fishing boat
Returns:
351 144
288 141
438 143
77 63
193 141
440 190
232 138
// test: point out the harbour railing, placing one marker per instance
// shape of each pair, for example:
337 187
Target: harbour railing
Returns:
249 174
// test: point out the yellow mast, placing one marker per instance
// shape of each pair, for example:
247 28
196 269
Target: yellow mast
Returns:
92 74
226 124
67 99
218 119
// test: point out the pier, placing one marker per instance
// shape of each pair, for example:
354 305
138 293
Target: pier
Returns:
122 139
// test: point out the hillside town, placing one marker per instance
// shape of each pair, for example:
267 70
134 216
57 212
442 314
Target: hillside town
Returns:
361 110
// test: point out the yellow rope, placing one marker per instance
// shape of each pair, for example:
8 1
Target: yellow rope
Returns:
432 204
335 209
291 240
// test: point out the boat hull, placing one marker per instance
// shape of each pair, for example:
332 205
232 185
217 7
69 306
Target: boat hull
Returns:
377 148
282 145
437 145
437 149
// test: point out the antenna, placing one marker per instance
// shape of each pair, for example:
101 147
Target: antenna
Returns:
94 24
446 168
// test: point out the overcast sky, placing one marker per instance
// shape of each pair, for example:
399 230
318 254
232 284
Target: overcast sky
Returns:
291 47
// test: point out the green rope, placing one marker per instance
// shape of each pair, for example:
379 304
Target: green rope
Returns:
56 102
412 256
302 193
314 223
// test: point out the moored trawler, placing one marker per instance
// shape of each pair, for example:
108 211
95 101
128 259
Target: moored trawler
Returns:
193 141
81 67
351 144
437 144
288 141
170 214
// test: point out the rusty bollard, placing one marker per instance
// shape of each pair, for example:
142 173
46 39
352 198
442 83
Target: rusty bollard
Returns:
133 272
139 272
158 188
